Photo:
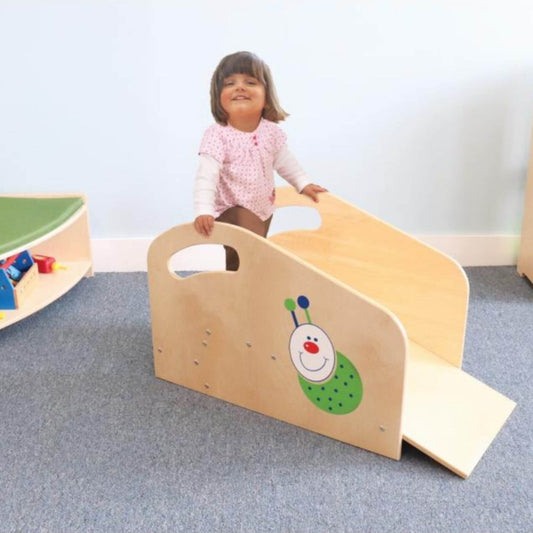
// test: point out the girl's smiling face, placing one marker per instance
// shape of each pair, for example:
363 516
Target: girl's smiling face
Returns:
242 97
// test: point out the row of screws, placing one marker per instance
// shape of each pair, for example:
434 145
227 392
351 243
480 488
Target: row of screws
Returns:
273 357
248 343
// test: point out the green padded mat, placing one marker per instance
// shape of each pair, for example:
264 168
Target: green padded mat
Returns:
23 220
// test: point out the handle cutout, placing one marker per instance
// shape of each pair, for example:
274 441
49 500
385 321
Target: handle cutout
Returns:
295 218
202 258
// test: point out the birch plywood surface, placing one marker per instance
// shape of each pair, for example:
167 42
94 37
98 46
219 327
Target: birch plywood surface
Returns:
230 335
425 289
248 336
450 415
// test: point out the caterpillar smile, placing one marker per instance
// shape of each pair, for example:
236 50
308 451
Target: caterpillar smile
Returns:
310 369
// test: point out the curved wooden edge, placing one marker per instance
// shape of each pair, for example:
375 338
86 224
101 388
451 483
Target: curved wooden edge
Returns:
183 236
228 336
426 289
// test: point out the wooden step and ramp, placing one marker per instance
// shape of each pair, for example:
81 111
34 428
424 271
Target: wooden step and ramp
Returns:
354 330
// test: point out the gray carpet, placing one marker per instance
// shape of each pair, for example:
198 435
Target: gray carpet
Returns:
91 441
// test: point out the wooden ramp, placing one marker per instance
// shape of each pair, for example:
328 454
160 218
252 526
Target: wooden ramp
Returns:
354 330
448 414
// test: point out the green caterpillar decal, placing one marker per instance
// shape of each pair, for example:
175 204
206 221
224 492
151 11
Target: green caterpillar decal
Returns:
327 377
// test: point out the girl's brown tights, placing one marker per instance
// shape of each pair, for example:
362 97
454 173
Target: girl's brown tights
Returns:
240 216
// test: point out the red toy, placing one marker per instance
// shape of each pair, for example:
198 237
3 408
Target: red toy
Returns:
47 264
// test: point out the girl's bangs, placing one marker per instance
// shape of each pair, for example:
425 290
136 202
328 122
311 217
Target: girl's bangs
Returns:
243 64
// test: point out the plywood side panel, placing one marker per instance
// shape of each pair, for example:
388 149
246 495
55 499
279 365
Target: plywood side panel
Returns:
227 334
425 289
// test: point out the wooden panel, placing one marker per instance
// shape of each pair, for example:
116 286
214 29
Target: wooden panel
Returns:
70 244
425 289
449 415
227 334
525 258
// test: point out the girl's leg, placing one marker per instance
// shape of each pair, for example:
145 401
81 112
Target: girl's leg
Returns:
240 216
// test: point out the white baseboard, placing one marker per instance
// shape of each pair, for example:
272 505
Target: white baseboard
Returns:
477 250
129 255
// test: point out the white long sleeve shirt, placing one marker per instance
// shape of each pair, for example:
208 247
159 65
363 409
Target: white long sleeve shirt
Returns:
208 173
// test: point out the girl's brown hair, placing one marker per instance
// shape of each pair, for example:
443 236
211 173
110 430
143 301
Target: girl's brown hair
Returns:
250 64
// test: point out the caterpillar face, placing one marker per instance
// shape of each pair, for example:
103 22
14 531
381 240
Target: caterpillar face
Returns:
312 353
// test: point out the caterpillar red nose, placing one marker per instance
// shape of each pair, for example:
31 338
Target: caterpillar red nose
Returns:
311 347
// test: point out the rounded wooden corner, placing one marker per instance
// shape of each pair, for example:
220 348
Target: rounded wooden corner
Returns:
179 238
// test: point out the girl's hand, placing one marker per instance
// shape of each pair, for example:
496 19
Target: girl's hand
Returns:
312 191
204 224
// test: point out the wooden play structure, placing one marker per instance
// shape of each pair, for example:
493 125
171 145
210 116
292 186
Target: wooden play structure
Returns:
53 225
354 330
525 257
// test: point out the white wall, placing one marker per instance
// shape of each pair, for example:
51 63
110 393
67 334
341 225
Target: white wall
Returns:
417 111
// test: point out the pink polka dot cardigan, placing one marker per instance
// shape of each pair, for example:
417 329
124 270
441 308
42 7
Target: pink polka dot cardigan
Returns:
236 169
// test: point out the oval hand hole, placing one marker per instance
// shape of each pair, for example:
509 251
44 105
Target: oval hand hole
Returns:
202 258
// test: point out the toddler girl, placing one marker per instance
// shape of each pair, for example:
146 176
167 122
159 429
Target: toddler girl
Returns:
238 154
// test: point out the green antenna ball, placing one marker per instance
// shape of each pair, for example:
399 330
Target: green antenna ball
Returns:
290 304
